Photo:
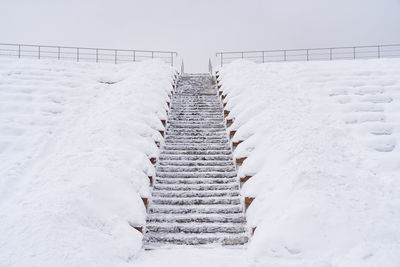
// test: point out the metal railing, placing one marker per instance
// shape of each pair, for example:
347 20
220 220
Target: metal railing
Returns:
99 55
308 54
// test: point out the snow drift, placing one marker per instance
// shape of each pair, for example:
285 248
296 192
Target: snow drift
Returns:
322 141
75 142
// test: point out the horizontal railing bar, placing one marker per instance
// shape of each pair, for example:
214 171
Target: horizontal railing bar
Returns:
305 49
89 48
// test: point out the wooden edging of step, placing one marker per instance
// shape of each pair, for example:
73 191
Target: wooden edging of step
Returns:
245 179
248 201
164 122
253 229
232 133
153 160
162 132
139 228
145 201
151 180
235 144
240 160
226 112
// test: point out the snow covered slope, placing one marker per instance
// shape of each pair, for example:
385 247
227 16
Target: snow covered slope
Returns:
322 141
75 140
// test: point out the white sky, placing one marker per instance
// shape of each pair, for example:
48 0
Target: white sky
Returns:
198 29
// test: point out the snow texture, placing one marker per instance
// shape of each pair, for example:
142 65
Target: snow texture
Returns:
75 142
322 141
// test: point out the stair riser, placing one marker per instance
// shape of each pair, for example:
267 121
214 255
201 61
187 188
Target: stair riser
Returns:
203 194
178 229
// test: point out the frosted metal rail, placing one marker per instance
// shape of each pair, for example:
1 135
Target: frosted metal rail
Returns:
308 54
86 54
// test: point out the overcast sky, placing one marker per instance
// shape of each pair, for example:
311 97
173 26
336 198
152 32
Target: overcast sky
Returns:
198 29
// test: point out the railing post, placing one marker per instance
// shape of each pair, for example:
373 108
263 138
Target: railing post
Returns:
39 52
284 55
307 55
330 53
97 55
115 56
182 67
379 51
242 55
172 59
354 53
222 61
58 53
152 54
263 58
77 54
19 51
134 55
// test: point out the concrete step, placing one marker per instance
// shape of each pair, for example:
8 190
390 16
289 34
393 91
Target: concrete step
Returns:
201 169
196 201
196 152
196 229
194 194
197 147
155 240
180 141
189 163
195 137
195 187
185 125
173 209
194 157
197 218
208 181
197 175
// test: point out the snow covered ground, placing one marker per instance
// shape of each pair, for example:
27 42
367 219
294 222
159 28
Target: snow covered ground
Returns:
322 141
75 139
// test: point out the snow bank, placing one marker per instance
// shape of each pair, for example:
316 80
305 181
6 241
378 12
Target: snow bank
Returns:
75 142
322 141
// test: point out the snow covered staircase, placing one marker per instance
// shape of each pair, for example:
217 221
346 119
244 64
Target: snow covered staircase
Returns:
195 197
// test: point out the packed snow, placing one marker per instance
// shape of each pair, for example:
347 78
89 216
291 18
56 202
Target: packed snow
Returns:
75 143
322 141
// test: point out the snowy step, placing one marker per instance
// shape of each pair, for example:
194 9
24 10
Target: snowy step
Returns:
208 181
214 174
196 152
195 119
195 157
190 138
189 131
196 187
196 201
220 209
196 163
177 125
153 240
197 147
196 168
193 228
194 194
175 141
192 122
198 218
